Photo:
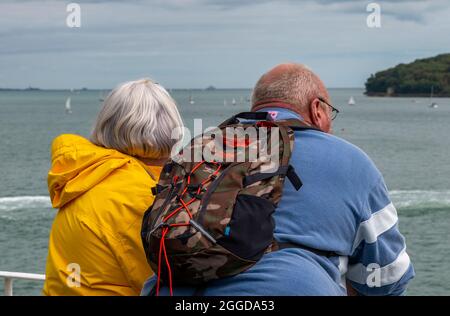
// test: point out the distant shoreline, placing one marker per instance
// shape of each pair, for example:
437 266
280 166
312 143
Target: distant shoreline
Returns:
404 95
106 90
169 89
109 89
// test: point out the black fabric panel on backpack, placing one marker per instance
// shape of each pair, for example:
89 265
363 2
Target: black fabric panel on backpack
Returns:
251 227
144 227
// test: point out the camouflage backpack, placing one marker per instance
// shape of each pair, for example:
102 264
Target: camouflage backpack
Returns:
213 219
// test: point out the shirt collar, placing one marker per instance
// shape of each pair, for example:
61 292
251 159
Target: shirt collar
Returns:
281 113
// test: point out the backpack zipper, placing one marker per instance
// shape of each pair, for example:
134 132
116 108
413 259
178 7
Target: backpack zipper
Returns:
163 206
211 190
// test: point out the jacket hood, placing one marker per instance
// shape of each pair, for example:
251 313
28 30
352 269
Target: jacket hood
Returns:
78 165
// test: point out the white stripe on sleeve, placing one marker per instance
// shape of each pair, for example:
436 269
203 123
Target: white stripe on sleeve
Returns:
376 225
389 274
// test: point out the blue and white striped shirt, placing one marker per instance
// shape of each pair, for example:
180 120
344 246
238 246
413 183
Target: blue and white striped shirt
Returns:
343 206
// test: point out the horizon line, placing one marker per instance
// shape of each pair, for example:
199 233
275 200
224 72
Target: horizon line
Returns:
109 89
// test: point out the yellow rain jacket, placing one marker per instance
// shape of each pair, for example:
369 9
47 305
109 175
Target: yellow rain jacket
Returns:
102 195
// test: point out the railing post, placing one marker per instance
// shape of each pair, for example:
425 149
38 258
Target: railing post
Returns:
10 276
8 287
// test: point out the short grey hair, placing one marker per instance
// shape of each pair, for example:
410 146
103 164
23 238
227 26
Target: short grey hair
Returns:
137 118
297 85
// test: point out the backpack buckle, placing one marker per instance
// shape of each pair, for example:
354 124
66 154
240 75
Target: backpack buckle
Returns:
193 187
160 225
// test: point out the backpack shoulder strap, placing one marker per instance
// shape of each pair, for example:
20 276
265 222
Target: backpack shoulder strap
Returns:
287 171
256 116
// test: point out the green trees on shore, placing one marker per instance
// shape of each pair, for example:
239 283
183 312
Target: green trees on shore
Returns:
414 79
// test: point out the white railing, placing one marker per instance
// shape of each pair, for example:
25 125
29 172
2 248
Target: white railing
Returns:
10 276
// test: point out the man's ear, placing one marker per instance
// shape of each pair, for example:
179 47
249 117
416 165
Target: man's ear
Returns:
316 113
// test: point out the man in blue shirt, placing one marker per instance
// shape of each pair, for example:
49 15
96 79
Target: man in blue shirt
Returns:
342 207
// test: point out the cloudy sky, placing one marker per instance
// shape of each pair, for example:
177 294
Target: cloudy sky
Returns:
196 43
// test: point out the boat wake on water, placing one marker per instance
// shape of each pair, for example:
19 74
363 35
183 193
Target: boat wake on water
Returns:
17 207
404 200
416 202
24 202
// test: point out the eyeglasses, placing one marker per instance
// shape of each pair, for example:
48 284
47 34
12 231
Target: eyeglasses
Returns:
334 111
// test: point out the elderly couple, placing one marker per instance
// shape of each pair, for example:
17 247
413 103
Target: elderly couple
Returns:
102 187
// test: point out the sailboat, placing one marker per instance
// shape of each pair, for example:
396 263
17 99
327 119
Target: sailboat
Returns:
352 101
101 96
233 102
191 100
68 106
433 105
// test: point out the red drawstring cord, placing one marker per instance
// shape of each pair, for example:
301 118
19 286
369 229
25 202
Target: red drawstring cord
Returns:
162 245
162 249
169 270
158 282
186 207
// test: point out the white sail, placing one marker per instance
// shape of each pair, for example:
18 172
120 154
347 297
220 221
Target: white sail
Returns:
233 102
433 104
351 101
68 106
191 99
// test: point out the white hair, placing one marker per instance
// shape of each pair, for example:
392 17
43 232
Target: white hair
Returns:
137 118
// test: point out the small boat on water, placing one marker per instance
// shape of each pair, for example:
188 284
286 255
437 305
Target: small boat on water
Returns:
68 106
351 101
433 104
101 96
191 100
233 102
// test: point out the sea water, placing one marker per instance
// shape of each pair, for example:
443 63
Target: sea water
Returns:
409 142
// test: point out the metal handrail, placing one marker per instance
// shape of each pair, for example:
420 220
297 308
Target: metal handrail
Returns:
10 276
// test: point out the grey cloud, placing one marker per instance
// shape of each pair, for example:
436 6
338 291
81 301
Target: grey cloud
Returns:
402 10
228 43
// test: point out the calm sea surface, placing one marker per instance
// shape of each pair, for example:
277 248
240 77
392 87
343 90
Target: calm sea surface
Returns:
408 141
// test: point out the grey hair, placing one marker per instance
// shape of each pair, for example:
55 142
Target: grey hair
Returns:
297 85
137 118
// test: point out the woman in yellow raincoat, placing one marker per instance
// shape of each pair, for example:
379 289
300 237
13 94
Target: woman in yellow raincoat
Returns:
102 188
